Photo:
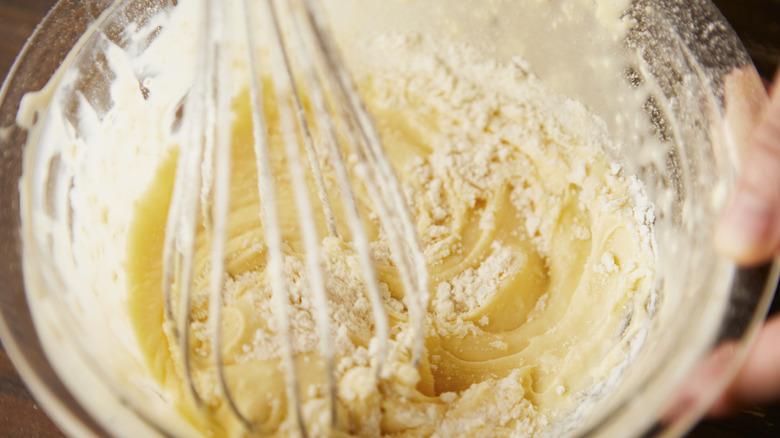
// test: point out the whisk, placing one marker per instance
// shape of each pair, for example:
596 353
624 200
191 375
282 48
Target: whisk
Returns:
303 60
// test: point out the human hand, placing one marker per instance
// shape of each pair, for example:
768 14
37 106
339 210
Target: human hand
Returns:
749 232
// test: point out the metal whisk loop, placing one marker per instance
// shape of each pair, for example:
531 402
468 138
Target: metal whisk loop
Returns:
219 131
325 123
379 176
302 60
207 108
287 94
181 225
289 106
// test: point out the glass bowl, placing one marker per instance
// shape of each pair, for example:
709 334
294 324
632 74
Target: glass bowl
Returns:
670 78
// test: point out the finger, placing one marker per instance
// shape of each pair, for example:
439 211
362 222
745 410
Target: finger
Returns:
759 379
749 231
700 381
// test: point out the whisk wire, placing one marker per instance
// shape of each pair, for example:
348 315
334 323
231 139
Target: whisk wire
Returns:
181 225
218 131
288 102
382 182
269 219
316 84
343 126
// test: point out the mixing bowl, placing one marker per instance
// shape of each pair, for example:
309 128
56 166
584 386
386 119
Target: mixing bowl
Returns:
669 77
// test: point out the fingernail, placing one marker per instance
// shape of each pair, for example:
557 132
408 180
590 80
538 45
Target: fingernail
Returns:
747 229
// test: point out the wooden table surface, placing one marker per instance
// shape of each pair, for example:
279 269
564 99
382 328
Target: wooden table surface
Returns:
757 22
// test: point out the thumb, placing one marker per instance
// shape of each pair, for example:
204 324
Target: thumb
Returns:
759 380
749 230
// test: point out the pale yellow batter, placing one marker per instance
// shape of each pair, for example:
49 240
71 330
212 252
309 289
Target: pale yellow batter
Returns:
539 251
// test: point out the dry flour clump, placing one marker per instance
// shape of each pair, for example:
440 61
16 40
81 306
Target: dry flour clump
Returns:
473 288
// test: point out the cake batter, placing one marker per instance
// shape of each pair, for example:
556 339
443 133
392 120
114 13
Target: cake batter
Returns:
539 250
